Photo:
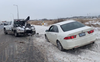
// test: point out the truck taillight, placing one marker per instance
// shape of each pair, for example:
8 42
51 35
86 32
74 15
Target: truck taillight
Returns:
70 37
89 32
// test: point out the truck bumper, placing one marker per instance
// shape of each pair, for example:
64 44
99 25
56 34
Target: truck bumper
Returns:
28 32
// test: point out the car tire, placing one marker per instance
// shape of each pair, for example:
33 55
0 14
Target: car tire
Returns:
59 46
46 38
16 34
5 32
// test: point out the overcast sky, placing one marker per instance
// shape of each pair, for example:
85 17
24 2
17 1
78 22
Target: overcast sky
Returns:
38 9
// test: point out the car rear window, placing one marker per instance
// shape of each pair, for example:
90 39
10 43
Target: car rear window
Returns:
71 26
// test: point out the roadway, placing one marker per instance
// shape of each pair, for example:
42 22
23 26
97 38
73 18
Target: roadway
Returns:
18 49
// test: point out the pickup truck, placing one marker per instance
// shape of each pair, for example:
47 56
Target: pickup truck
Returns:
19 27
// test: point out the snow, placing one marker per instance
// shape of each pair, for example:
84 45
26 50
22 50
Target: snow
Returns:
40 29
97 32
93 22
51 53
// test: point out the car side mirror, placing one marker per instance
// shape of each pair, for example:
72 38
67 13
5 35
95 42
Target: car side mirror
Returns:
47 31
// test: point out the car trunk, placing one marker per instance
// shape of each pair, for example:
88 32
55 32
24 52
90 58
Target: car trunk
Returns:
80 32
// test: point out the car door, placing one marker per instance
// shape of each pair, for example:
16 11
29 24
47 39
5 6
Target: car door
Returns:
54 34
49 33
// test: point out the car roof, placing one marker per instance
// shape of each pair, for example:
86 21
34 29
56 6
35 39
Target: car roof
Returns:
64 22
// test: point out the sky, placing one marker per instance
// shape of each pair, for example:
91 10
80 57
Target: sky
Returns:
50 9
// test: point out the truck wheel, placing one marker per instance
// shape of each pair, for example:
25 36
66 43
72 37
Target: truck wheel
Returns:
5 31
16 34
34 32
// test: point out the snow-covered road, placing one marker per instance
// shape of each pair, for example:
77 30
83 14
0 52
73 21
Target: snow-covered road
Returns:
89 53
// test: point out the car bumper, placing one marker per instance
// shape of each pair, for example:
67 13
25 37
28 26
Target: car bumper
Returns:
75 43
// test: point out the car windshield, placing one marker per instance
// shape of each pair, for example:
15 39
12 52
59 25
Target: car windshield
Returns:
71 26
19 23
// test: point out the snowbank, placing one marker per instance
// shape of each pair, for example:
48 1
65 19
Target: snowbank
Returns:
40 29
93 22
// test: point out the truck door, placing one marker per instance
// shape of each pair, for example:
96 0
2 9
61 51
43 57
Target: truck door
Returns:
9 27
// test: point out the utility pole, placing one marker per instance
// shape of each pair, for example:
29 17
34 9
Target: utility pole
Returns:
17 11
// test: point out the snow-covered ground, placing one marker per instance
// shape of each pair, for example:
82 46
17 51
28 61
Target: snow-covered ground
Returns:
97 29
90 53
93 22
41 29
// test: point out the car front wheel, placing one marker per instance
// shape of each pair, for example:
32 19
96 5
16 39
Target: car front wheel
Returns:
59 46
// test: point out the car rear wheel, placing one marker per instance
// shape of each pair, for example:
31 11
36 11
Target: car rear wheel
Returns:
46 38
59 46
5 31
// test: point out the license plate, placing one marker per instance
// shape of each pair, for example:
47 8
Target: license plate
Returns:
82 34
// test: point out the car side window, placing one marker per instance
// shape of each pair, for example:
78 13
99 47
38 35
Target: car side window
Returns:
51 29
55 29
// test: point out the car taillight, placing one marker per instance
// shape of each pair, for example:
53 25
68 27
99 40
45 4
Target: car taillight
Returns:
70 37
89 32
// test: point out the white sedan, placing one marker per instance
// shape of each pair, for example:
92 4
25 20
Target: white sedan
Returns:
70 34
